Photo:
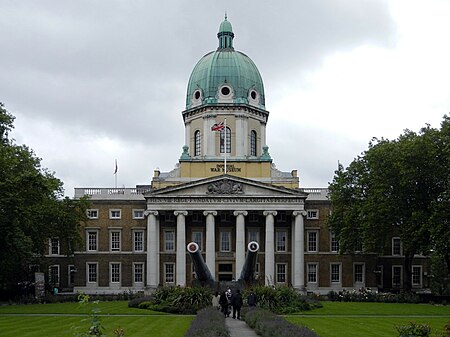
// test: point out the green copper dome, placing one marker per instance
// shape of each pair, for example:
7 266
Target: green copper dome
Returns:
225 76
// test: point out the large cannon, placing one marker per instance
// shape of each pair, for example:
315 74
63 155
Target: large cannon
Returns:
248 270
202 272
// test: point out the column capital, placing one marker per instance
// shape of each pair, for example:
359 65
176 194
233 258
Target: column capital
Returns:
206 213
177 213
149 212
236 213
296 213
266 213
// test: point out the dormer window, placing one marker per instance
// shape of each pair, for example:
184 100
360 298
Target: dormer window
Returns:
197 97
225 94
253 97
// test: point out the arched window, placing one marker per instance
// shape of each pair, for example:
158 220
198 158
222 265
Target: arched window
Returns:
253 143
228 140
198 144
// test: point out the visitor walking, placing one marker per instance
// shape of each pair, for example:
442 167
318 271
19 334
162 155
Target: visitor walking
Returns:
251 299
223 301
236 303
215 301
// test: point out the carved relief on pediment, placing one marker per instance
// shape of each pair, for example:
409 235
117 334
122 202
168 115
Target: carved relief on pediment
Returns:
225 186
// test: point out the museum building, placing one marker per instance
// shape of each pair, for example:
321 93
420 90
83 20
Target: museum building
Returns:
224 192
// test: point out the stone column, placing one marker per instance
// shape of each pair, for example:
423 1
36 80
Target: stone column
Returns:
181 247
187 137
299 251
152 249
270 248
240 241
211 241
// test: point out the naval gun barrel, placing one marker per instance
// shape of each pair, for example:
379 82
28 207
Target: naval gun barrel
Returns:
201 269
248 270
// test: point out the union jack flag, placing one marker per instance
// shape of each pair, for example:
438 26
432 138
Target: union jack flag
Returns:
218 126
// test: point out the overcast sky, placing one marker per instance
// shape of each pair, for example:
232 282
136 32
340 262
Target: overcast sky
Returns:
94 81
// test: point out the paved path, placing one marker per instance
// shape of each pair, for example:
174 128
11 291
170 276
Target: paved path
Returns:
239 328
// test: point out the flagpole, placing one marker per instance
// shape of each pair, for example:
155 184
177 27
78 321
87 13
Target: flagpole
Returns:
225 167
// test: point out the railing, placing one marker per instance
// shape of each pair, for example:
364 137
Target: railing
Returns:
79 192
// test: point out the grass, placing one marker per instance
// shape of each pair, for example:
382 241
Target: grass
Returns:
68 319
337 319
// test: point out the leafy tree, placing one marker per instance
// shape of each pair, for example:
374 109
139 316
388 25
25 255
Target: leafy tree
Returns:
31 209
393 189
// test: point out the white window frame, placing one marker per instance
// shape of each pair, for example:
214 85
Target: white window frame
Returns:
401 276
51 275
363 273
195 232
115 214
339 274
116 273
170 241
138 213
51 246
141 265
312 214
92 213
115 245
334 243
316 273
415 284
225 234
88 241
142 242
170 281
197 143
394 253
88 273
281 274
280 244
253 234
309 248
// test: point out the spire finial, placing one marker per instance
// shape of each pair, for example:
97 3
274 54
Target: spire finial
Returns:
225 15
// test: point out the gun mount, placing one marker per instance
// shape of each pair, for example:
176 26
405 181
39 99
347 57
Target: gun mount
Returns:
248 270
202 272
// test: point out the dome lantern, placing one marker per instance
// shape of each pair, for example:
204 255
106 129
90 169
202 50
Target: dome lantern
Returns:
225 34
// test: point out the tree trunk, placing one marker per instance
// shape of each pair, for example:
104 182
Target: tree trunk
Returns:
407 279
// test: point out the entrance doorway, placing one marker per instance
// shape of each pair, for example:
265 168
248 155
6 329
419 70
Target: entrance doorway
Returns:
225 272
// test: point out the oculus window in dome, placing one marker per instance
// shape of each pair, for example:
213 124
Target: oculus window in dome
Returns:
225 68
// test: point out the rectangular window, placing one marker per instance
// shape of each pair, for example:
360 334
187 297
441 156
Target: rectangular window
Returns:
253 216
92 241
115 272
358 272
281 272
416 276
312 214
397 276
138 272
312 272
281 241
115 214
169 273
225 241
334 243
138 214
92 272
169 240
197 216
253 235
396 246
197 237
53 275
312 241
138 241
54 246
92 213
335 271
115 241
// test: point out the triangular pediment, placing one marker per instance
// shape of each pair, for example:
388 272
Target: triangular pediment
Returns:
226 185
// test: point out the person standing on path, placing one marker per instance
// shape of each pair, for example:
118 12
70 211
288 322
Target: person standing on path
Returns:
236 303
216 301
223 301
251 299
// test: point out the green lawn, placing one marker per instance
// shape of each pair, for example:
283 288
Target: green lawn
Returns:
338 319
68 319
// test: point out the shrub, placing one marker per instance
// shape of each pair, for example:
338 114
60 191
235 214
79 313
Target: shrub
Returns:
283 300
267 324
366 295
414 329
209 322
176 300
